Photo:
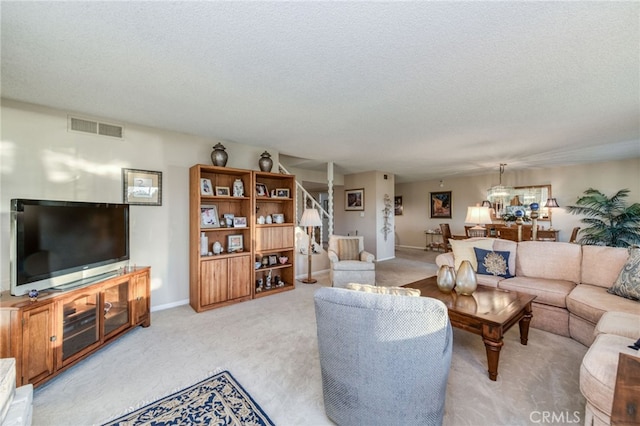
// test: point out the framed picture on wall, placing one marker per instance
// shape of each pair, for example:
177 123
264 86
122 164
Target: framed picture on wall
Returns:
441 204
398 205
142 187
354 199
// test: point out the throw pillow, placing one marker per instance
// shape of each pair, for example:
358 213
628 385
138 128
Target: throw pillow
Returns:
493 262
627 284
397 291
348 249
463 250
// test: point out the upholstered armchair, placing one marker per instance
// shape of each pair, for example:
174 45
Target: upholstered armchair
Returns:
349 262
384 359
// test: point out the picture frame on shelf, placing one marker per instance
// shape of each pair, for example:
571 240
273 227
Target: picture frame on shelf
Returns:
441 204
261 190
228 220
222 191
273 259
354 199
141 187
235 243
239 222
209 216
205 187
282 193
278 218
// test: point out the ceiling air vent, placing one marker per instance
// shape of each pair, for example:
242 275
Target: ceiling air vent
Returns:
95 127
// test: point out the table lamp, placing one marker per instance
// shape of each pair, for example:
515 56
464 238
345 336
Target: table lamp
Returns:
551 203
310 218
478 215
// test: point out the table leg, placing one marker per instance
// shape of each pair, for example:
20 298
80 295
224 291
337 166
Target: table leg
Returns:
524 325
493 357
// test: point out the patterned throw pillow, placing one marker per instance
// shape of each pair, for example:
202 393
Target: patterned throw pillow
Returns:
397 291
627 284
348 249
493 262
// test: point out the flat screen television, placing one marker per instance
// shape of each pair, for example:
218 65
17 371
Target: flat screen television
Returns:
60 244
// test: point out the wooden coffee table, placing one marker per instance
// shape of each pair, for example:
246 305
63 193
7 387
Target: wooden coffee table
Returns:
489 312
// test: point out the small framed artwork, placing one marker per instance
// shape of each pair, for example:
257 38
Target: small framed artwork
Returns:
239 222
222 191
441 204
282 192
261 190
209 217
354 199
235 243
205 187
398 205
228 220
142 187
273 259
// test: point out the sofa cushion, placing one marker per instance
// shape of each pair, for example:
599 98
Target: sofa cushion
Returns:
492 262
396 291
600 367
354 265
348 249
628 282
547 291
488 280
463 250
619 323
601 265
510 246
551 260
590 302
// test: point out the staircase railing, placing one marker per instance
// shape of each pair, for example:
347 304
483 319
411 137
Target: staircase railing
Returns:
306 200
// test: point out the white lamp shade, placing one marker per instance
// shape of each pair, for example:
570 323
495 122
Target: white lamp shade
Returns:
310 217
478 215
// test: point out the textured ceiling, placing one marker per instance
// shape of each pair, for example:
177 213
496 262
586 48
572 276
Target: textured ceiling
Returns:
424 90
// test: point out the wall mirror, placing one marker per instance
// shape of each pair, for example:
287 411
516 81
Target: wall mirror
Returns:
521 198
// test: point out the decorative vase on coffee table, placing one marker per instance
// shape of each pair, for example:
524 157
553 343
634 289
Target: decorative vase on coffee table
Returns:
466 281
445 279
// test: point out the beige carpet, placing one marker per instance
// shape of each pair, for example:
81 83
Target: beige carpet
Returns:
269 345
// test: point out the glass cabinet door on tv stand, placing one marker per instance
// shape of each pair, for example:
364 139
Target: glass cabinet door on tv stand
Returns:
80 317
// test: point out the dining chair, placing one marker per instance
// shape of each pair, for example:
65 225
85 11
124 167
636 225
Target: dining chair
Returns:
574 235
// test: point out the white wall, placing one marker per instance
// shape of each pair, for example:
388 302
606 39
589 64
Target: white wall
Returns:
567 184
40 159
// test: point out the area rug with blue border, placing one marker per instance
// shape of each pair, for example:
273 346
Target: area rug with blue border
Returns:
218 400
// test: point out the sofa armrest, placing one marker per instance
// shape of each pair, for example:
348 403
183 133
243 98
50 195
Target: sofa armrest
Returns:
333 256
365 256
445 259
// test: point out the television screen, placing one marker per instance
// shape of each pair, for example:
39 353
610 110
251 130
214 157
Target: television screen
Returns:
52 239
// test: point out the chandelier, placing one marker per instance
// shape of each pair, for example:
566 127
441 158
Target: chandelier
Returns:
499 194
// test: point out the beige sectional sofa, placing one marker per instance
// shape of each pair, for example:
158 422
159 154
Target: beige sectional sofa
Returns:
569 280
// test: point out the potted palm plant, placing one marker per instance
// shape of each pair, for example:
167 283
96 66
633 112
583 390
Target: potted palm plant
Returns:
610 222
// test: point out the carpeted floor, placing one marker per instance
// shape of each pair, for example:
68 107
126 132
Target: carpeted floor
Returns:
269 345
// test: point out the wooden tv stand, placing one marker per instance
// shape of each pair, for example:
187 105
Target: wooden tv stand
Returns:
51 334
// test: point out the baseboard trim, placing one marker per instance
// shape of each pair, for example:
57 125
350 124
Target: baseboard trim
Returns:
169 305
411 247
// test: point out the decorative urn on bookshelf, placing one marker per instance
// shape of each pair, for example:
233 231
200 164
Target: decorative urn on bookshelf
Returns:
265 162
219 156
